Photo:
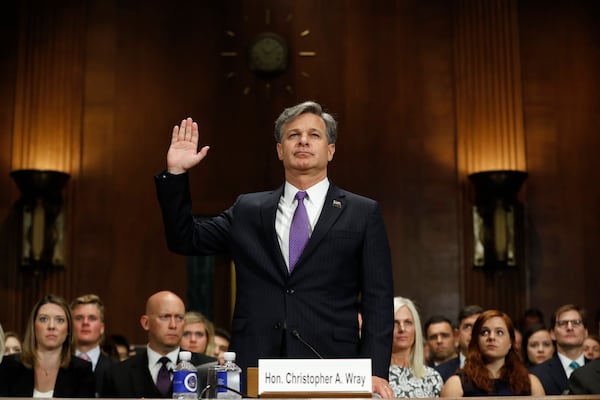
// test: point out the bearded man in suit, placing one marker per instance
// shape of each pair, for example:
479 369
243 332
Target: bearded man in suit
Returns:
286 306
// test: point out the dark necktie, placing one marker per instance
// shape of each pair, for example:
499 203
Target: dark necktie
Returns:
163 380
298 230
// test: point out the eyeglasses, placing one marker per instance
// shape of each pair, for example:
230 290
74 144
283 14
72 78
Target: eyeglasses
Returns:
565 323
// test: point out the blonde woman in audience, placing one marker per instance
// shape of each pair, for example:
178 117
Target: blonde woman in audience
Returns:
409 376
591 347
198 334
46 367
12 343
493 366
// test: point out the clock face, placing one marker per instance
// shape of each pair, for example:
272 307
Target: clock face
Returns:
268 54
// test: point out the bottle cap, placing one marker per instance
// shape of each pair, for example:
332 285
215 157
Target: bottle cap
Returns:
185 355
229 356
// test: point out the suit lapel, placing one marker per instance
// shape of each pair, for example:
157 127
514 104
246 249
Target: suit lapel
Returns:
268 212
141 378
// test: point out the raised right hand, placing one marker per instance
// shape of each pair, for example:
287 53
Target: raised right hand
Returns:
183 152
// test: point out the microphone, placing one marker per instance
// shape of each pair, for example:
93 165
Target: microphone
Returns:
296 334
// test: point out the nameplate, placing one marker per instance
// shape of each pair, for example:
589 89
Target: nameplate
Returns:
314 375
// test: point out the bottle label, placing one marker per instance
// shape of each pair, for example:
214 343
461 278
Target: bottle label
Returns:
222 381
185 382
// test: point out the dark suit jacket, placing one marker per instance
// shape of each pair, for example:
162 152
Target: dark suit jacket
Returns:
102 366
76 380
278 313
131 378
586 380
448 368
552 375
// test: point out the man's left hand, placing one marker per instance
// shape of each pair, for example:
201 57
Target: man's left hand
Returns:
382 387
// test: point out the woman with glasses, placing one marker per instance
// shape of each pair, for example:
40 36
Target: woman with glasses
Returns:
46 367
493 365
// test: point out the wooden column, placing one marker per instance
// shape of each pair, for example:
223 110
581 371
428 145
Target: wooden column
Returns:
489 129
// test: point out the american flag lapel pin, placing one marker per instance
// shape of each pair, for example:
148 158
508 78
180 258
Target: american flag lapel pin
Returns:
337 203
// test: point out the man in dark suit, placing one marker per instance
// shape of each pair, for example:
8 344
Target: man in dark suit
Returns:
88 324
465 321
586 380
138 375
286 306
440 339
569 331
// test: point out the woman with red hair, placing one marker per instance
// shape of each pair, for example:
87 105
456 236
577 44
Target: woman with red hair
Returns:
493 366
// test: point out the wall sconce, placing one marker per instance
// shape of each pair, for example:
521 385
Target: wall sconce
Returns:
497 217
42 222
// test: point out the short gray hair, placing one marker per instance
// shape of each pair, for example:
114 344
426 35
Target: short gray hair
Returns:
311 107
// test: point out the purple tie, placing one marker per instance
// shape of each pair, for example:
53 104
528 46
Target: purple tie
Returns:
163 380
298 230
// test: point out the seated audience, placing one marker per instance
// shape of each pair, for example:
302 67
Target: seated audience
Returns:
46 367
518 339
591 347
221 340
537 345
531 317
117 346
409 376
440 339
198 333
466 319
568 330
12 343
493 366
586 380
88 321
147 374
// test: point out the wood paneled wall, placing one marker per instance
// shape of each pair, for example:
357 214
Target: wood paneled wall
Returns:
386 69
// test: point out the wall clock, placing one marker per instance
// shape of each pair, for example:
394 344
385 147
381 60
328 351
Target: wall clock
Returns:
264 58
268 54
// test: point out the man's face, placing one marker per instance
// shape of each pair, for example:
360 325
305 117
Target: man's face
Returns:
221 346
568 331
441 342
464 332
304 148
88 325
195 338
164 322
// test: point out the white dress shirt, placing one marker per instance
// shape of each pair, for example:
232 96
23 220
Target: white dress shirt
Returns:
154 365
93 354
314 200
565 361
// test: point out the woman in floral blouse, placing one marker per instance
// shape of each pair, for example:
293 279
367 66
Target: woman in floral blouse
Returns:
409 376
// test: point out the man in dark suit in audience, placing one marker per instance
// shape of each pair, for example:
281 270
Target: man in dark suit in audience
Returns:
568 329
88 324
466 319
441 340
138 376
586 380
294 298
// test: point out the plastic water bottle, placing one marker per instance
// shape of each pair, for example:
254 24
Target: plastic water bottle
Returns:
230 377
185 378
